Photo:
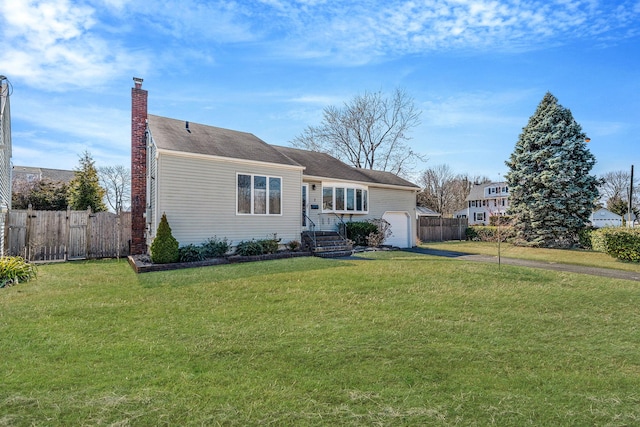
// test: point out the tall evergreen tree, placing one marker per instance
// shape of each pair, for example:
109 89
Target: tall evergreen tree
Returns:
551 193
84 189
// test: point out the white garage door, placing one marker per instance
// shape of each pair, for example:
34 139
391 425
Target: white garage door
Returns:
399 227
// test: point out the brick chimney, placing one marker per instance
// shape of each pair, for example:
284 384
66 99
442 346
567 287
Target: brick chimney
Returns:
138 168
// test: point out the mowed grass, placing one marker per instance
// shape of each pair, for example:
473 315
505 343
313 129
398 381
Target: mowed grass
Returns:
565 256
393 339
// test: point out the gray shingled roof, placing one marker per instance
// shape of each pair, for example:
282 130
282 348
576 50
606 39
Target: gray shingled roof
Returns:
424 211
54 175
477 190
171 134
326 166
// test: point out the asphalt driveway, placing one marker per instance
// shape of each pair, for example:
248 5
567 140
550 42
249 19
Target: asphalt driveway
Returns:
594 271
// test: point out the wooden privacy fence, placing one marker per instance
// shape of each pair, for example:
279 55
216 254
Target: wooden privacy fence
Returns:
442 229
67 235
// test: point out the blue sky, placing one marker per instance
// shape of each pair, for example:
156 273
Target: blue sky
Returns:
476 69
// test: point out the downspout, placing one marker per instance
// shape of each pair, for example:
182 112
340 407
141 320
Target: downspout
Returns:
147 213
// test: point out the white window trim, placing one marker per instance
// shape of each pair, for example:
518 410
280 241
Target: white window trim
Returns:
252 175
346 187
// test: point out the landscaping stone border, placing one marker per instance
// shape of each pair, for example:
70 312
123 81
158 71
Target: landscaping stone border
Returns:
139 266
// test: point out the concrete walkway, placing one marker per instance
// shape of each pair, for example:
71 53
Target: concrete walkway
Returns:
594 271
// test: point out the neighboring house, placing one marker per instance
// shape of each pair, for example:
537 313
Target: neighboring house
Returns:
422 211
484 201
25 176
31 174
462 213
211 181
5 157
605 218
5 146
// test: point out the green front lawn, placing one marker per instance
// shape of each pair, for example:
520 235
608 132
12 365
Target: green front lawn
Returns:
394 339
564 256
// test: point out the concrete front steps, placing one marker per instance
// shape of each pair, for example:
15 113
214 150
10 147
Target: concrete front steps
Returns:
326 244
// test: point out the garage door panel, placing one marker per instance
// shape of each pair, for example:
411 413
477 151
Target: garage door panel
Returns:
400 229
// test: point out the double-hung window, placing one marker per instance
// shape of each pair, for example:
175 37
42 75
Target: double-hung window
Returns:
341 198
259 195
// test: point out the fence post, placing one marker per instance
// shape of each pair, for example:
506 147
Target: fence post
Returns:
27 234
4 248
67 233
87 239
119 233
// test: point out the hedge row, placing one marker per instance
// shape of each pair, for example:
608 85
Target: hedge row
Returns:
489 233
212 248
165 250
258 247
620 243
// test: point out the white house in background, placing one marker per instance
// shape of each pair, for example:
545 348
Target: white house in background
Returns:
5 156
605 218
484 201
462 213
211 181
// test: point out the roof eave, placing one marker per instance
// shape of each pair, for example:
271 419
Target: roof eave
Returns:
367 183
178 153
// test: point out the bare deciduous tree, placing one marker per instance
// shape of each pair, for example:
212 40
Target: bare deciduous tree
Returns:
437 194
614 192
368 132
445 192
116 180
614 184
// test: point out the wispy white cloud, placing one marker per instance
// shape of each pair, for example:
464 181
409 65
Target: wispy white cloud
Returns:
58 44
91 123
51 45
63 131
212 21
359 32
475 108
321 100
606 129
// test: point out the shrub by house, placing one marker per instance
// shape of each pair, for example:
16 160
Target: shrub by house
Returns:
164 248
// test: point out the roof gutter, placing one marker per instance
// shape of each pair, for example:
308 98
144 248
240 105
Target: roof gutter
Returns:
366 183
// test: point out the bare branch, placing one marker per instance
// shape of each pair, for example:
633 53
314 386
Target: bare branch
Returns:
370 131
116 180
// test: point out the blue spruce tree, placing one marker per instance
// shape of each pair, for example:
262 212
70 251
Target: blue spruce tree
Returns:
551 193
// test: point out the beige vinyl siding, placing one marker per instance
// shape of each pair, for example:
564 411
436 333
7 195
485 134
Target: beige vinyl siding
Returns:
151 212
199 197
381 200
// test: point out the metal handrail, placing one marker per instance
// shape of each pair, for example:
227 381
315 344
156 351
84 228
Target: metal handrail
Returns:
312 227
344 224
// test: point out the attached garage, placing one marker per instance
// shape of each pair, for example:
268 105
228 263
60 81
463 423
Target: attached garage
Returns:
400 227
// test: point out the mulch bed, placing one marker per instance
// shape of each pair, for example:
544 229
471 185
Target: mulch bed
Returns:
141 263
